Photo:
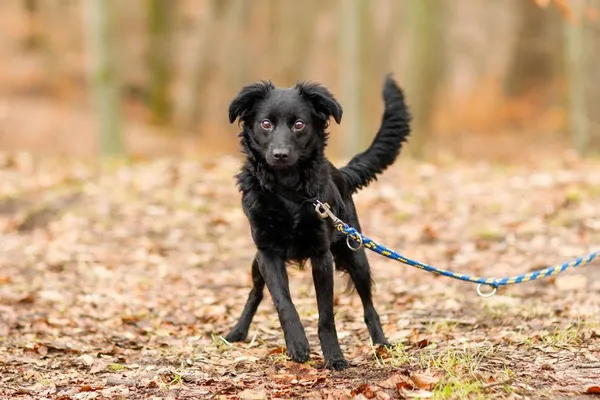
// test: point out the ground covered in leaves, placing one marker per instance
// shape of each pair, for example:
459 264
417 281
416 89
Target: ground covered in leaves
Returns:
118 282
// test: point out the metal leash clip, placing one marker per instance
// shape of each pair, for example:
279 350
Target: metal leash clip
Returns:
323 210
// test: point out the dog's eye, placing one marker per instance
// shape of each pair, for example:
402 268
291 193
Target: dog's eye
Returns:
266 124
299 125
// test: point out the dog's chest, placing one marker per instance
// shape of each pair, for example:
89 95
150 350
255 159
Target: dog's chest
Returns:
308 233
295 229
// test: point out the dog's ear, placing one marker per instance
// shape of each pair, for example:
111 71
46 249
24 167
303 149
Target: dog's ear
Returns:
321 99
246 98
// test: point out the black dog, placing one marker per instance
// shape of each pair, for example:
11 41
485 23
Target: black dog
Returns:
284 140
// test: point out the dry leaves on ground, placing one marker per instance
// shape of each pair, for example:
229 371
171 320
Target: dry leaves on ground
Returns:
118 283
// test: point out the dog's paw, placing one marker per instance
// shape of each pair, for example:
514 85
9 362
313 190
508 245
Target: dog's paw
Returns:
236 336
298 350
336 364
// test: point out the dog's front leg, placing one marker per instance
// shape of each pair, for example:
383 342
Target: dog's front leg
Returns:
322 269
273 270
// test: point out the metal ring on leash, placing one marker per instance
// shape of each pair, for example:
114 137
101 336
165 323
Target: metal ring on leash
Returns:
488 294
360 243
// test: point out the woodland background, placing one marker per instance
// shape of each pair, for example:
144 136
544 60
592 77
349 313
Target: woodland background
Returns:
491 79
125 255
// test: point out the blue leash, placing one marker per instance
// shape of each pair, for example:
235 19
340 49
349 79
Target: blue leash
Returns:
324 211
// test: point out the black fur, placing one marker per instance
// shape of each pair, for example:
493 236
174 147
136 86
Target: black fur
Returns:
284 139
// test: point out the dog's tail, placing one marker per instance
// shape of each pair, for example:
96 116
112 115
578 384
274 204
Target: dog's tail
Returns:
394 130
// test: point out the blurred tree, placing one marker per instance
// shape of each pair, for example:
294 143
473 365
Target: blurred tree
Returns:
426 52
392 36
231 47
32 39
534 63
577 57
593 25
353 17
293 33
160 58
105 87
220 60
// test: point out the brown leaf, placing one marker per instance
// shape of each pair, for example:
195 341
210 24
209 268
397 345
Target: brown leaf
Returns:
593 390
383 352
424 380
366 390
283 378
86 360
278 350
381 395
42 350
89 388
404 385
396 381
99 365
28 298
248 394
429 235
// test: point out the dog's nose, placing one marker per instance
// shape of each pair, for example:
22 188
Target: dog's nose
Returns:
281 153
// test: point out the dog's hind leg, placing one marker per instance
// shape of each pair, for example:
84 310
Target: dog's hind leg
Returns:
322 270
240 330
357 265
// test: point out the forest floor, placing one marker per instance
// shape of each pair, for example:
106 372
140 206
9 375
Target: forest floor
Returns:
119 282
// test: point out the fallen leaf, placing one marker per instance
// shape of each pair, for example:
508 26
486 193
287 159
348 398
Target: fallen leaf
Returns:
86 360
428 234
593 390
366 390
99 365
283 377
383 352
89 388
424 380
278 350
27 298
396 381
248 394
42 350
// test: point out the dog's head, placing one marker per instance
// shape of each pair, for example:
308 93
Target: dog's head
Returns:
285 125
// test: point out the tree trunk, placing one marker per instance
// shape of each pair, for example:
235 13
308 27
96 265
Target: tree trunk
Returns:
352 30
532 63
424 72
578 76
197 73
160 56
294 27
105 88
231 47
594 78
33 38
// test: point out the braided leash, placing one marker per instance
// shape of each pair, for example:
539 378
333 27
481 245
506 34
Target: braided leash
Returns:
324 211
